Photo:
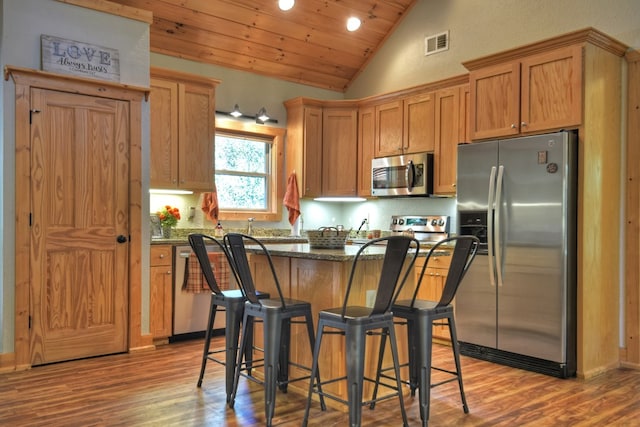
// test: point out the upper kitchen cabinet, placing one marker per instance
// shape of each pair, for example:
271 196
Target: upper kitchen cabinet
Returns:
339 151
366 137
322 146
405 126
451 105
182 113
530 94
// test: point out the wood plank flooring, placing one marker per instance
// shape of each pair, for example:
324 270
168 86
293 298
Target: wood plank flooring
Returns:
158 388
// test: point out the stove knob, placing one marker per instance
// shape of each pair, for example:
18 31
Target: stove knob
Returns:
400 221
434 222
394 221
441 222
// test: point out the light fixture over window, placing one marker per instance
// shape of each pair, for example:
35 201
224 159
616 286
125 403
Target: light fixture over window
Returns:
353 23
262 116
285 4
236 111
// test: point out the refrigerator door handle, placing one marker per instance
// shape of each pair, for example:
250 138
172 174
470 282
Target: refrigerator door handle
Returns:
498 252
490 201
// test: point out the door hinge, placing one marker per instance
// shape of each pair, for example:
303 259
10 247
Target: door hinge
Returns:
29 322
30 219
31 113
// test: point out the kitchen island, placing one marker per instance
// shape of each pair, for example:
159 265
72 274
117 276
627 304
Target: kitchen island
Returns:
320 276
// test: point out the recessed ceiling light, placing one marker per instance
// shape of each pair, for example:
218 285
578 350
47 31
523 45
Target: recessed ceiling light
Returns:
285 4
353 23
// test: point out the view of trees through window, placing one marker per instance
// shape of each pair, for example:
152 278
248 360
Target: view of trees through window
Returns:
242 166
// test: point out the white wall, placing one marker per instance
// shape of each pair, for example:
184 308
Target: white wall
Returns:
482 27
22 23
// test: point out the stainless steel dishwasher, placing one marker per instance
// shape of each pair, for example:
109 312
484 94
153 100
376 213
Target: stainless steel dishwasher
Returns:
190 310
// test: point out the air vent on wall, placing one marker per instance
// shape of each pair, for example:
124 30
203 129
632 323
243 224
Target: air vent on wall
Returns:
436 43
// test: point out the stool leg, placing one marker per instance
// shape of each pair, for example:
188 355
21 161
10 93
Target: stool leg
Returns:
283 365
456 355
272 337
425 333
396 366
383 343
311 334
355 348
233 319
412 345
207 339
314 373
241 351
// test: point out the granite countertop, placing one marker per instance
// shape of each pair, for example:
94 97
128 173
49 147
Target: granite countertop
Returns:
304 250
182 240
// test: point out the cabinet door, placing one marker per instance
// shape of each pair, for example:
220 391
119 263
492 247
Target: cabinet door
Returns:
388 136
163 163
366 135
196 135
312 156
447 139
495 101
419 120
339 151
161 286
552 90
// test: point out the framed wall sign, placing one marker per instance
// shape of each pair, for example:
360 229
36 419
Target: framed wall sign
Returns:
79 59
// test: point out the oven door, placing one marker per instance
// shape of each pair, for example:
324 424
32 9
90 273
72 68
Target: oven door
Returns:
409 175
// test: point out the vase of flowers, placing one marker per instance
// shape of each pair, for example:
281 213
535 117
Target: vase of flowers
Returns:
169 217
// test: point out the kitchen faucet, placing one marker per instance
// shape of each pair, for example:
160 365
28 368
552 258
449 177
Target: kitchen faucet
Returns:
250 227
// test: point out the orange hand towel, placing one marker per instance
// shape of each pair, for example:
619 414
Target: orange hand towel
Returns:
292 198
210 205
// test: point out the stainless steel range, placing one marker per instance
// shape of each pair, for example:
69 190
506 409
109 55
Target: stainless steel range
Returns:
426 228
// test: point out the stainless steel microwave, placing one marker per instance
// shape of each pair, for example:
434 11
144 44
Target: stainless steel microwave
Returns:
407 175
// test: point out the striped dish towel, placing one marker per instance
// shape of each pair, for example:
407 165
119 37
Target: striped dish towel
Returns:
194 281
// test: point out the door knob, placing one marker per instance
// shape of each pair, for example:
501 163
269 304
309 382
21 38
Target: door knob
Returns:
121 239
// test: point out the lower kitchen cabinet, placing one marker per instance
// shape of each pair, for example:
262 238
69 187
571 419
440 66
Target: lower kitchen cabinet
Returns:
161 288
432 285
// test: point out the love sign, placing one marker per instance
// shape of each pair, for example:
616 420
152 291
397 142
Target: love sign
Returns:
80 59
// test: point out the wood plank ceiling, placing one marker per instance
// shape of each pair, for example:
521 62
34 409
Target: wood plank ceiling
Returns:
308 44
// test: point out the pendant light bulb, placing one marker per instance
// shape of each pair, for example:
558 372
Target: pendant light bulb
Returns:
285 4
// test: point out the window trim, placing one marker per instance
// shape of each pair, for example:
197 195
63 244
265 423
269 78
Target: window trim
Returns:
273 213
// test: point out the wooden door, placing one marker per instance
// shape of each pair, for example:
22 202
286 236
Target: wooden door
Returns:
388 136
552 90
196 135
339 151
163 163
366 135
447 139
79 213
419 123
312 152
495 101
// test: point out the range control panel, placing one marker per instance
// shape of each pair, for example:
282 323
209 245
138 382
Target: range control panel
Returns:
424 227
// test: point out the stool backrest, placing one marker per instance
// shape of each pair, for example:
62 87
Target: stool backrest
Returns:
464 252
236 246
199 247
391 278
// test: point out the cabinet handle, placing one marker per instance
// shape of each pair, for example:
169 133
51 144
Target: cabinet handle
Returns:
523 124
168 272
161 256
513 125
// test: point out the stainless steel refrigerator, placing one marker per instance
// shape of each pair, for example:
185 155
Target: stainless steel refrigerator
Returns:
517 303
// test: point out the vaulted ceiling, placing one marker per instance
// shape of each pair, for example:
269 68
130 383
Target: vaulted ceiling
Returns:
308 44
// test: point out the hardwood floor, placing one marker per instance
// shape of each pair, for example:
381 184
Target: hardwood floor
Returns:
158 388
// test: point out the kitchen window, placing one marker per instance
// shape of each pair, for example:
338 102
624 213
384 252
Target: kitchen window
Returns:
249 170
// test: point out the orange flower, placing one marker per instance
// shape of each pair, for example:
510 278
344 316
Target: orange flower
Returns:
169 216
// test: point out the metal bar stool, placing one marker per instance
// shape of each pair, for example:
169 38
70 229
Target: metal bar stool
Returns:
229 301
277 315
356 322
421 315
